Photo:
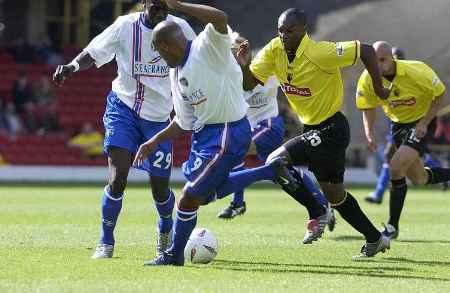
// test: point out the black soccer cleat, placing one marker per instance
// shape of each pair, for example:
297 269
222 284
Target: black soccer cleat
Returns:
232 211
165 259
373 199
283 175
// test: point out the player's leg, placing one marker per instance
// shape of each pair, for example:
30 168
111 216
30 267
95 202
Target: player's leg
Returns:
383 177
121 140
217 150
159 165
404 158
237 205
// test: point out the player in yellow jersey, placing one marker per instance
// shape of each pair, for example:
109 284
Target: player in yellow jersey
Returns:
309 75
416 95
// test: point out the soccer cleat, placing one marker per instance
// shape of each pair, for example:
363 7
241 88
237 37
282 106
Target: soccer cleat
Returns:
103 251
372 199
165 259
390 231
232 211
163 242
283 176
371 249
332 221
315 227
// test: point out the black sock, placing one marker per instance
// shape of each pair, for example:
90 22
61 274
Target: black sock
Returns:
438 175
398 194
303 196
352 213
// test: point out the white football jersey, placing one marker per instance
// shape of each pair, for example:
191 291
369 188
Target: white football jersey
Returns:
142 81
262 101
207 88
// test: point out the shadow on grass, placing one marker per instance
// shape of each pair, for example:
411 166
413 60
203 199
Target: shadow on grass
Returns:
412 261
360 238
268 267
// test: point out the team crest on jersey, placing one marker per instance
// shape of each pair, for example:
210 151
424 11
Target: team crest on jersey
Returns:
183 82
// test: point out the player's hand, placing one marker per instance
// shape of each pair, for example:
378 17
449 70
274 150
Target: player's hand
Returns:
144 151
62 73
172 4
244 54
421 129
371 143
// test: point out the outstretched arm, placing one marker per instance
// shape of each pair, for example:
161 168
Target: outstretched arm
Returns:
204 13
368 57
82 62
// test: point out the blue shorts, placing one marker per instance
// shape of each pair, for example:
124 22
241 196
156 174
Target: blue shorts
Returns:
126 130
268 135
215 150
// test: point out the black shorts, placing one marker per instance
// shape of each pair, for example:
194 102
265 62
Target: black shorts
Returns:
404 134
322 148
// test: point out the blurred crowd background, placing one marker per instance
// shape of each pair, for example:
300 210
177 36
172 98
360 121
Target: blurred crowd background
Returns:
44 125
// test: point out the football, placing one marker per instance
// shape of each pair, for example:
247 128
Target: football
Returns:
202 246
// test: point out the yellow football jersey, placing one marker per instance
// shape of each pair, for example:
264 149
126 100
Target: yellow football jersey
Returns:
414 87
312 82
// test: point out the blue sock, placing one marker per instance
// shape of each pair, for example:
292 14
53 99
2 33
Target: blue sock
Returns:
165 209
429 161
241 179
383 182
184 224
111 206
238 196
314 189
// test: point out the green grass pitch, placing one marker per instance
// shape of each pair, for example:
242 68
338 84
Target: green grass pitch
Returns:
47 235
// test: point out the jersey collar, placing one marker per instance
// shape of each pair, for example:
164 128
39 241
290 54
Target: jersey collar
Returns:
301 48
186 53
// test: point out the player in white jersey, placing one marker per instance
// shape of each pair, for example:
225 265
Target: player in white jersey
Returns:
138 107
267 129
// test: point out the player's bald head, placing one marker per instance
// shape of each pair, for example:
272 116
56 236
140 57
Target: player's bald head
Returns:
383 51
382 48
170 42
294 16
167 31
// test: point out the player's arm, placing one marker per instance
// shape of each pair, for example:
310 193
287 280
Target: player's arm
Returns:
369 60
369 116
82 62
170 132
244 58
206 14
436 105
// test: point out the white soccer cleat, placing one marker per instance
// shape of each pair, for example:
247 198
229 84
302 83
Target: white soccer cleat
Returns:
371 249
103 251
316 227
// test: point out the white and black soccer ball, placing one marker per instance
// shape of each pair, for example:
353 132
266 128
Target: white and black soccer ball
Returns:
202 246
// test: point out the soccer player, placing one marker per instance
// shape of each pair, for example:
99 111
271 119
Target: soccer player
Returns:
267 135
309 74
137 108
389 149
208 98
416 95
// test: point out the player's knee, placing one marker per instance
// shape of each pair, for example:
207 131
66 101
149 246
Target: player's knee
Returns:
396 170
335 193
188 202
160 187
279 152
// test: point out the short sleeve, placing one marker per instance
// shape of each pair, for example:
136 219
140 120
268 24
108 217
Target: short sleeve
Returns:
104 46
214 45
433 82
263 65
339 54
365 96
